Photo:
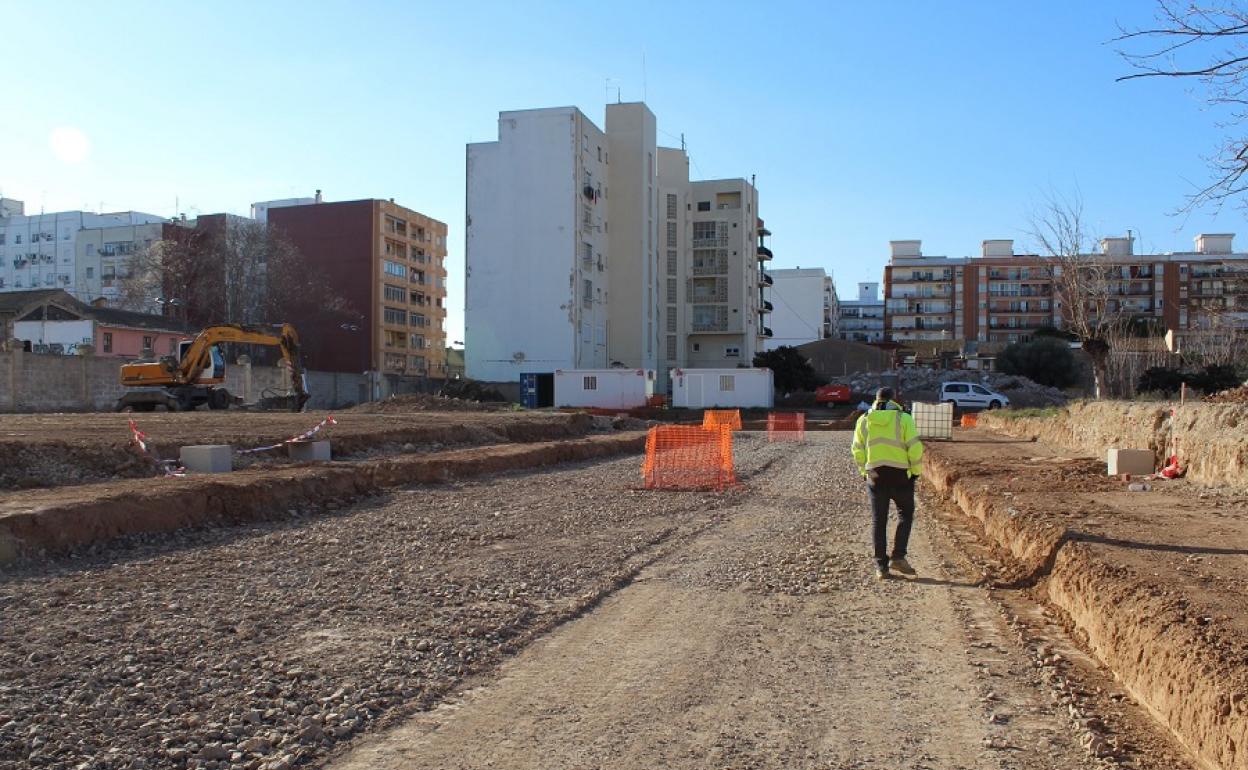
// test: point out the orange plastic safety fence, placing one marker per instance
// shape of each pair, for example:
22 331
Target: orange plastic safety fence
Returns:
729 418
786 426
970 420
688 457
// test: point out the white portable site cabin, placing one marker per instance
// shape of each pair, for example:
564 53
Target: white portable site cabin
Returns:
603 388
723 388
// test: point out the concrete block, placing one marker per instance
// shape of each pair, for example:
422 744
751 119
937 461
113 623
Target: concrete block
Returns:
1137 462
308 451
208 458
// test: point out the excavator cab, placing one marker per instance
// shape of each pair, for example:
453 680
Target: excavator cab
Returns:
213 373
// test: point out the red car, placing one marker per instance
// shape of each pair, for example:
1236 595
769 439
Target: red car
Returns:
832 394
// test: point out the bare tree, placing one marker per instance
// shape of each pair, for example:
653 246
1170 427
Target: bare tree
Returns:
1085 282
1206 42
234 271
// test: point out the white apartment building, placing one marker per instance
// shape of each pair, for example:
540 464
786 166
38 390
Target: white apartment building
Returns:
804 301
725 284
862 319
536 247
82 252
587 249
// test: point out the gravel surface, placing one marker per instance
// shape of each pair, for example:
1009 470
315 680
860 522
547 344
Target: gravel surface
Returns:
735 630
264 646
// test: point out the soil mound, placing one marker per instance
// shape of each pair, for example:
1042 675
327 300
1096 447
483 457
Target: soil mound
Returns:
424 402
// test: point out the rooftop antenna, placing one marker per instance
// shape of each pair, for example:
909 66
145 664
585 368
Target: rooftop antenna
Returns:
682 141
644 93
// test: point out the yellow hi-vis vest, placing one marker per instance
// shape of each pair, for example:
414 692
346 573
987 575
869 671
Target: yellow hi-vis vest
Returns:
887 438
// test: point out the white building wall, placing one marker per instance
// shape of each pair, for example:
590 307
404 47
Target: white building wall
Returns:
44 251
536 247
634 262
674 253
799 299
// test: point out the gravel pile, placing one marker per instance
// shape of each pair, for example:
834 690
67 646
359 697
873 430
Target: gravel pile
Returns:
265 646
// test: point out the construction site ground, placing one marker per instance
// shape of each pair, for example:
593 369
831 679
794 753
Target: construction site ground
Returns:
562 618
45 450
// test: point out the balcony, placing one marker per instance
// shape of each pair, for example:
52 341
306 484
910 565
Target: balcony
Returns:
764 254
710 243
768 307
767 332
766 280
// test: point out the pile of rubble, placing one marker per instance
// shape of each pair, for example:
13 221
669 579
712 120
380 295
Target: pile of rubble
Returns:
924 384
1230 396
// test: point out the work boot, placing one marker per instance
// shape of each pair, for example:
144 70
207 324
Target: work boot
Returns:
881 573
901 565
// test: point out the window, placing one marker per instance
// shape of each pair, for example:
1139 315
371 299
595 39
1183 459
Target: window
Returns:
17 238
90 272
697 347
703 315
589 383
419 320
587 253
671 262
955 388
979 391
1 239
704 205
671 347
671 319
147 343
671 235
671 206
394 293
727 382
732 352
86 249
671 291
393 316
587 297
703 230
394 268
418 341
108 342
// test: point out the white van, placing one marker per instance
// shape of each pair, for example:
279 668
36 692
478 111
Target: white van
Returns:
971 395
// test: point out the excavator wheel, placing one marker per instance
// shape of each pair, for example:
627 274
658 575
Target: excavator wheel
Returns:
218 398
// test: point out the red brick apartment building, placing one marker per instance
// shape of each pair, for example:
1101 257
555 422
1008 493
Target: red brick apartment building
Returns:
1005 297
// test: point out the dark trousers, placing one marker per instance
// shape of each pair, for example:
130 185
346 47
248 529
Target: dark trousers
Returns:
901 493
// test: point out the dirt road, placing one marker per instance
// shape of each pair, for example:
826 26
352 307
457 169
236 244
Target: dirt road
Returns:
762 642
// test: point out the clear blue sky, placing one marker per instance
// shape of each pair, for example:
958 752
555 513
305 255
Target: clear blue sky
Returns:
864 122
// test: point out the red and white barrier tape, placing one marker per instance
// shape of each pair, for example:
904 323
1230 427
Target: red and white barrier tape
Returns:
307 434
171 468
139 439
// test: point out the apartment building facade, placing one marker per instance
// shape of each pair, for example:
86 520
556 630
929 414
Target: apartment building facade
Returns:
588 248
84 253
536 246
389 263
805 307
1002 297
862 319
725 287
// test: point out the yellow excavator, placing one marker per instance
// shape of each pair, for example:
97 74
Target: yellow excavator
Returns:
196 375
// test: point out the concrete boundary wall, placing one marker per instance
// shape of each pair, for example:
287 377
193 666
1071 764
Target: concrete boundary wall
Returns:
1211 436
34 382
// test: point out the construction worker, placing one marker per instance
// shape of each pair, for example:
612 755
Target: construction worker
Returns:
889 456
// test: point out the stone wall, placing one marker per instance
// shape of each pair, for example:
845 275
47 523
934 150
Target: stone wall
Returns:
32 382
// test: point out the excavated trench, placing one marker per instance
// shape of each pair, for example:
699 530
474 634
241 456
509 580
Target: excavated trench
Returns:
1192 680
41 522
